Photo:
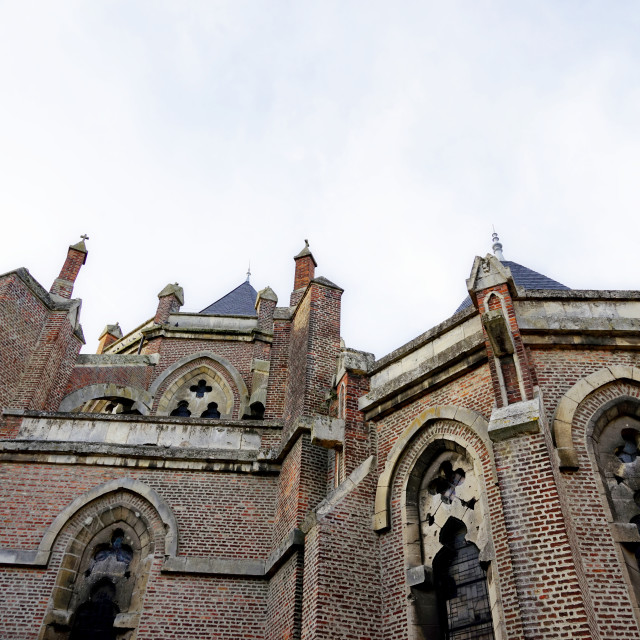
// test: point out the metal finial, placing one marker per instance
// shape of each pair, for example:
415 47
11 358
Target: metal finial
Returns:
306 242
249 271
84 236
497 246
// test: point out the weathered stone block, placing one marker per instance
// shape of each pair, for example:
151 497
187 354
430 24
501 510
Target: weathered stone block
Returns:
327 432
518 419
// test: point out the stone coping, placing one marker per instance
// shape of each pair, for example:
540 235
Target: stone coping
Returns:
421 384
424 370
210 333
423 338
582 294
283 313
129 338
118 417
465 314
116 360
55 304
187 314
143 456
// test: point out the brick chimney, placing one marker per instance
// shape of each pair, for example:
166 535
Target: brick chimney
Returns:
171 298
265 306
305 271
110 334
76 257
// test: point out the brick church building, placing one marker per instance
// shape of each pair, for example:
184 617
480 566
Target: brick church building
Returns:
241 473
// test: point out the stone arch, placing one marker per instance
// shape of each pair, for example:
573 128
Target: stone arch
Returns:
564 415
438 440
109 539
178 390
472 419
142 400
232 373
599 495
128 484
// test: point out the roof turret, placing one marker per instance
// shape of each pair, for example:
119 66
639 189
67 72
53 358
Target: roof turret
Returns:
522 276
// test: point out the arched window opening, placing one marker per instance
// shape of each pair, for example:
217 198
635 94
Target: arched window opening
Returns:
108 404
461 586
199 388
257 411
182 410
105 585
453 588
94 618
211 411
109 549
618 458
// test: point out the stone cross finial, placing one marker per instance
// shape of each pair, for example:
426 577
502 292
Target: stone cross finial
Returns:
84 236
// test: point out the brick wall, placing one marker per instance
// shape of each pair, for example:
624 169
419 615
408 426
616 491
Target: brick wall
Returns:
22 317
342 595
139 377
471 391
223 515
599 557
278 371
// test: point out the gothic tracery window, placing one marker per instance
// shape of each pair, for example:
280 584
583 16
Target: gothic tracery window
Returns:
452 601
618 459
195 391
109 566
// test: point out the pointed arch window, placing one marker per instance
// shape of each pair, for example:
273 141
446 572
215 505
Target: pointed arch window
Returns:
453 585
461 584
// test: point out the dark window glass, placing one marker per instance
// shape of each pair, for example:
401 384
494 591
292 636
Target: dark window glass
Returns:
462 591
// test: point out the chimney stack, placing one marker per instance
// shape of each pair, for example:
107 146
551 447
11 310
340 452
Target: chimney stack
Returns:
305 271
171 298
76 257
110 334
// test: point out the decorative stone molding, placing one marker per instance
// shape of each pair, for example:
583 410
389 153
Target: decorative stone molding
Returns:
520 418
488 272
231 370
40 557
476 421
563 418
218 390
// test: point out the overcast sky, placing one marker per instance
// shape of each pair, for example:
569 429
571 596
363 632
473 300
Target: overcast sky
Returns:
189 138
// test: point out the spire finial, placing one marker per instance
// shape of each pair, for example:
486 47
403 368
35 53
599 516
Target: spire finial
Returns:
248 272
84 236
497 246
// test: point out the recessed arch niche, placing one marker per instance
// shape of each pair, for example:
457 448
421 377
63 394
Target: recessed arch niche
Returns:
199 388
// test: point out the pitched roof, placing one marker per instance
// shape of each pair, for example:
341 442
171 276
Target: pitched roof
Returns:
239 302
523 277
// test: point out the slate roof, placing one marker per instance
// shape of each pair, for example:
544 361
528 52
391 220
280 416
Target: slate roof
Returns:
523 277
239 302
